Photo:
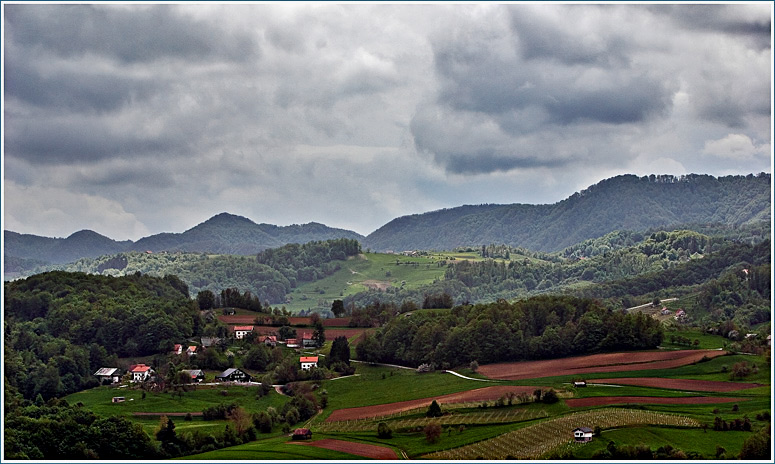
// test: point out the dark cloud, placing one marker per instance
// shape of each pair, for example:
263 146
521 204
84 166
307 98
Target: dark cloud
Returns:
750 21
129 35
66 140
69 90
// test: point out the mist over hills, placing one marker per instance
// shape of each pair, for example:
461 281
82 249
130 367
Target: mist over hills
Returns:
625 202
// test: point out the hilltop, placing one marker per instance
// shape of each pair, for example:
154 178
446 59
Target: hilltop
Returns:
624 202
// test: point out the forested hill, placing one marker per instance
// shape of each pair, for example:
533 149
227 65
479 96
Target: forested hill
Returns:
624 202
221 234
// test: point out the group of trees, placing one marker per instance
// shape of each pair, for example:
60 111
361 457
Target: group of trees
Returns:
61 327
540 327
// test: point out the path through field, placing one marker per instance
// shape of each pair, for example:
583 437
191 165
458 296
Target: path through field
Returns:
681 384
608 400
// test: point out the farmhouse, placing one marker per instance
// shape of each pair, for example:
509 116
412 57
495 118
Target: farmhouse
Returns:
191 351
109 375
196 375
140 372
308 362
307 341
292 342
241 331
232 375
178 349
582 434
302 434
268 340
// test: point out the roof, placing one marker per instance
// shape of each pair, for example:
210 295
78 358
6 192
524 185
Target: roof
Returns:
301 431
106 371
193 372
209 341
140 368
229 372
191 348
243 327
309 359
306 336
584 429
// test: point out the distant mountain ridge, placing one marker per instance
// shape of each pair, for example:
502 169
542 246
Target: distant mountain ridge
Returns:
625 202
222 234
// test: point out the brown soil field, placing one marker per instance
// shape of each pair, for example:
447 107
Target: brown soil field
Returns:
607 362
479 394
607 400
680 384
359 449
333 333
337 322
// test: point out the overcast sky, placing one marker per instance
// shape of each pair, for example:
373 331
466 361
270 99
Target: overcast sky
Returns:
131 120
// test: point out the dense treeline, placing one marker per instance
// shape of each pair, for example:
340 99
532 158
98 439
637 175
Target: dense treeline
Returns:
540 327
60 327
57 430
310 261
690 273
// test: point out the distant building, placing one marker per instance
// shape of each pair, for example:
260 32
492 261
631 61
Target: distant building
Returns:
268 340
109 375
207 342
233 375
196 375
241 331
582 434
292 342
140 372
302 434
118 399
191 350
178 349
308 362
307 340
580 383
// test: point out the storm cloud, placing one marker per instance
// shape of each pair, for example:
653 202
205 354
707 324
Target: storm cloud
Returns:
352 114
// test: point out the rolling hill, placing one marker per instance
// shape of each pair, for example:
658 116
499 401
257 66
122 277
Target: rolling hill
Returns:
624 202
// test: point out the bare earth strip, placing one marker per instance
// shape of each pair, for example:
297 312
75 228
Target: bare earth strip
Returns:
680 384
608 362
479 394
359 449
607 400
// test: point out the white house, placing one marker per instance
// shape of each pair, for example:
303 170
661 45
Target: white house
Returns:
140 372
308 362
241 331
582 434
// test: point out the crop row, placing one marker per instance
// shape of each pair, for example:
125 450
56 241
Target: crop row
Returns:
533 441
480 418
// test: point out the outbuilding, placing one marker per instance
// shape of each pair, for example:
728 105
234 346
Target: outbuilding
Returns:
302 434
233 375
582 434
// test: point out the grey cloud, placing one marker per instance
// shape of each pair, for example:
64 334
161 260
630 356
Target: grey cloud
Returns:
546 36
77 139
129 35
751 21
70 91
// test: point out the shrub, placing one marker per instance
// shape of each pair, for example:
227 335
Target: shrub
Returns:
434 410
550 397
432 432
384 431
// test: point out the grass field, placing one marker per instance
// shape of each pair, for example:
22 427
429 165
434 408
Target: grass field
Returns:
272 449
99 400
703 442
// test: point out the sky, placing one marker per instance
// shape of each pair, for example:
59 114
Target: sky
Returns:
131 120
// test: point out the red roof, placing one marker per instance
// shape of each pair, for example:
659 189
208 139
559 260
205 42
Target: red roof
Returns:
306 336
140 368
309 359
249 328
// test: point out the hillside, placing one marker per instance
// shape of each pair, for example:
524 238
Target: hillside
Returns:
222 234
621 203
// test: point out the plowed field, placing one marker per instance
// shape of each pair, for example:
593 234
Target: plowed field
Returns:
359 449
479 394
680 384
606 400
608 362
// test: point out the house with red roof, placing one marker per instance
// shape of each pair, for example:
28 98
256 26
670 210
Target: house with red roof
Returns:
178 349
268 340
307 340
140 372
191 350
308 362
241 331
